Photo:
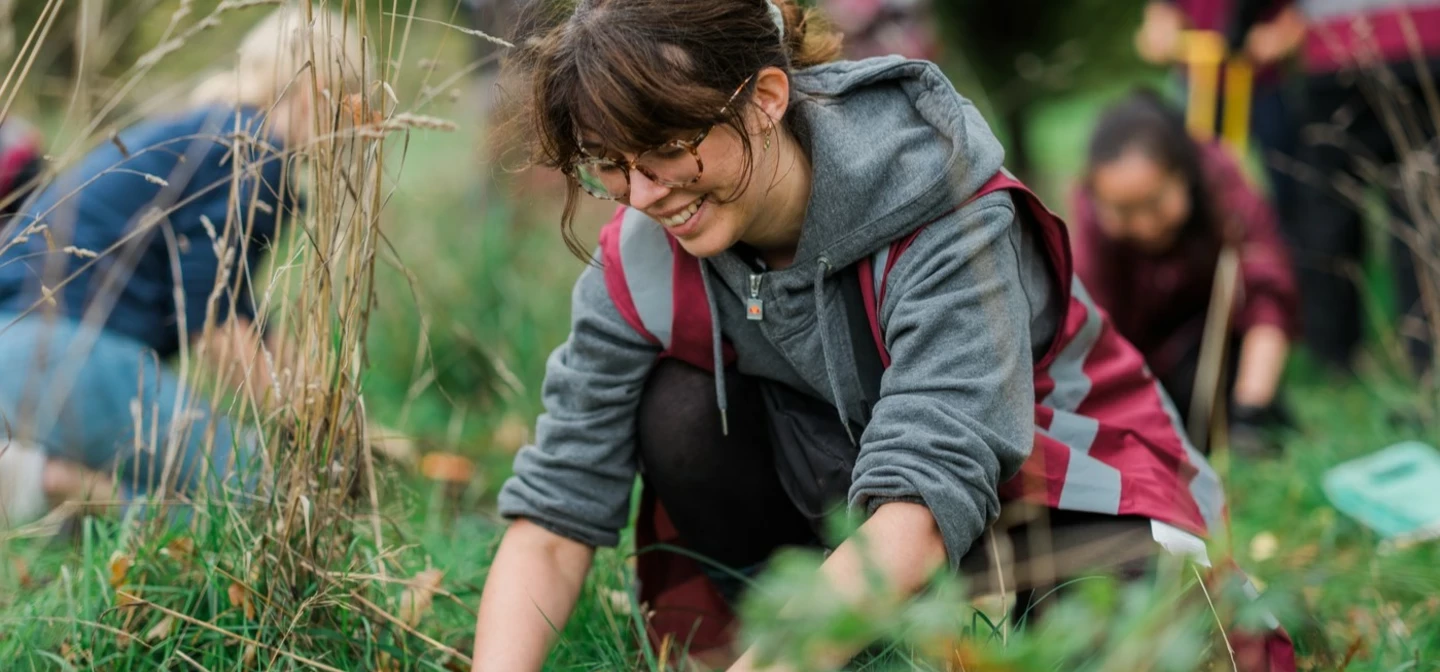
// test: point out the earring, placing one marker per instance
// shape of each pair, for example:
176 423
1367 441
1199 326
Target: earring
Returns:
768 132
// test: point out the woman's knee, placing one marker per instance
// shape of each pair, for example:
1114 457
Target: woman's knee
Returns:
680 433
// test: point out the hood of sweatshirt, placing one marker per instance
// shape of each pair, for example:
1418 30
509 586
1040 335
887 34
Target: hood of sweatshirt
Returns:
892 147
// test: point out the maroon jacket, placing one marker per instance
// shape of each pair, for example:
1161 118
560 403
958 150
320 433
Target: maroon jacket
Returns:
1159 302
1350 33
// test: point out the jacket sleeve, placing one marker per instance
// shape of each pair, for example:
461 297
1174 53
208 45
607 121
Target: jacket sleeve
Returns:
577 478
956 412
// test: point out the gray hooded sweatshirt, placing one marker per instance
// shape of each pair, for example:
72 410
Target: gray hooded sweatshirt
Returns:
967 309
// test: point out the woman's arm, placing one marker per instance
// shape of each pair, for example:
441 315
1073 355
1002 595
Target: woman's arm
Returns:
1268 317
956 415
532 587
571 490
901 541
1262 360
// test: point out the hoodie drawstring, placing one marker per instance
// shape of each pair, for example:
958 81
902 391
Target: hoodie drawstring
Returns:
826 347
720 398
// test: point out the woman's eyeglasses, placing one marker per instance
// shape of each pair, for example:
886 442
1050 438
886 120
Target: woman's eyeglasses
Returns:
674 164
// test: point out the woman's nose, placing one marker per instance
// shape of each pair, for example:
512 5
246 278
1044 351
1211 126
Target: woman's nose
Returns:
645 192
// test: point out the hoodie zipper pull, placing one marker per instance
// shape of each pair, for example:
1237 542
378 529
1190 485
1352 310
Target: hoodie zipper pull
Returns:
754 307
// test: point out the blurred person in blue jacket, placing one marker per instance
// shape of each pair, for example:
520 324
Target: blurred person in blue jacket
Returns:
143 251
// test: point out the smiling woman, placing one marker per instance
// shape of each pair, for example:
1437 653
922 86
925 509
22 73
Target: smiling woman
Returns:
684 119
835 248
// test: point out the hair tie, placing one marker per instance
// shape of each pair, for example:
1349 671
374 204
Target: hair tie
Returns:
778 17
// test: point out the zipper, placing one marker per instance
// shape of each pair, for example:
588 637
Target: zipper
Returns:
754 307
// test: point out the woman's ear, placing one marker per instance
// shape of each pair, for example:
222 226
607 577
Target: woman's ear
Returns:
772 93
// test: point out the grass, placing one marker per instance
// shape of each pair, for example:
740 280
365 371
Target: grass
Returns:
471 295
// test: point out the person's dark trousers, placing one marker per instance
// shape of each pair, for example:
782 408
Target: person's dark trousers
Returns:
1349 142
725 498
1275 116
722 492
1274 125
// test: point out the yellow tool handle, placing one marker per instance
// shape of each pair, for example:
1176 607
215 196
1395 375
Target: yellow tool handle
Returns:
1235 126
1204 54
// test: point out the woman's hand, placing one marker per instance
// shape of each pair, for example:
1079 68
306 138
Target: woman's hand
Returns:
1158 40
528 596
903 542
1262 361
235 351
1276 39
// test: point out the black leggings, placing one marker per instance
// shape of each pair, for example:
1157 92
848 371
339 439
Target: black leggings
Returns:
721 492
724 496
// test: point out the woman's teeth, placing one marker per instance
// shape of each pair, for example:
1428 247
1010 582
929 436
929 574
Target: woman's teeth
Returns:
684 215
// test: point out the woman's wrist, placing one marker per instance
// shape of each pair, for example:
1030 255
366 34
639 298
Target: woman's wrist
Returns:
1262 362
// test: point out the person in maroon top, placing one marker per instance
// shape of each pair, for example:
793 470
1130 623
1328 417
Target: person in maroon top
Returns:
1147 226
1370 67
1268 33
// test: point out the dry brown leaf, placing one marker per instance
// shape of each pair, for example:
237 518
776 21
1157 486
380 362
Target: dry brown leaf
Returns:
240 599
120 565
22 573
181 548
247 657
417 598
161 630
447 468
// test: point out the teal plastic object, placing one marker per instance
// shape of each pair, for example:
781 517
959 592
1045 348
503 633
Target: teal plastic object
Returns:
1395 492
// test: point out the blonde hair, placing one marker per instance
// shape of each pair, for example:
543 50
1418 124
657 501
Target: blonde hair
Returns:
273 54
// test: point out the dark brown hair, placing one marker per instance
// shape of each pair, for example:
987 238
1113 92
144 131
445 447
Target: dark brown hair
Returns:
639 73
1143 121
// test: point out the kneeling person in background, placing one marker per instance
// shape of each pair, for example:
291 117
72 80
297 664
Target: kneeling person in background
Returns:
1147 227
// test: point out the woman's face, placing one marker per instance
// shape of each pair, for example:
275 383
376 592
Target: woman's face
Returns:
1139 202
723 206
694 214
